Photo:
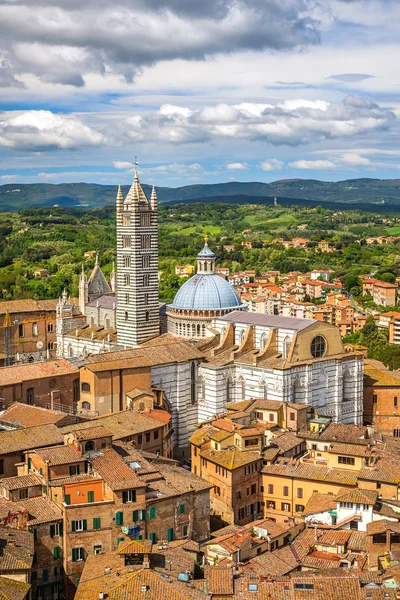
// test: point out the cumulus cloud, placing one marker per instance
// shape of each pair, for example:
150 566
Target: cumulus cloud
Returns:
355 160
237 166
271 164
315 165
41 129
59 40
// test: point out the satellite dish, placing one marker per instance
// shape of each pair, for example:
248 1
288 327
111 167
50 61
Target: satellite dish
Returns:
39 345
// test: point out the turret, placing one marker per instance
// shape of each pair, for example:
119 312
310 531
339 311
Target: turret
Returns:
83 291
120 199
206 260
153 199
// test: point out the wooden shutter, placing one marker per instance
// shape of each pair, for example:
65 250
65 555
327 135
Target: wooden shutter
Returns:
73 554
84 525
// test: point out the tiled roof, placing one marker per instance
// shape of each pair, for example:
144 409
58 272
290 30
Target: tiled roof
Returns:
27 305
156 586
349 449
115 472
179 481
16 483
135 547
345 433
10 589
17 550
226 425
319 503
358 541
144 356
358 496
160 415
92 433
321 560
219 580
40 510
287 441
382 471
382 526
332 537
380 377
312 472
231 458
31 371
219 436
29 416
121 424
73 479
60 455
19 440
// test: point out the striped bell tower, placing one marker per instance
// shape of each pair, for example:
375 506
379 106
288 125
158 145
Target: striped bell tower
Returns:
138 314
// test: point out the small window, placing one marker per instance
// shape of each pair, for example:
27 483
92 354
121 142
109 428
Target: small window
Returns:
270 488
126 219
129 496
395 403
30 395
126 315
90 497
285 490
21 331
299 492
374 399
396 432
78 554
181 509
146 261
85 387
86 405
318 346
156 434
126 241
146 280
79 525
50 327
57 552
127 279
35 330
127 261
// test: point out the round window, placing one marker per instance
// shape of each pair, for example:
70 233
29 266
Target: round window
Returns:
318 346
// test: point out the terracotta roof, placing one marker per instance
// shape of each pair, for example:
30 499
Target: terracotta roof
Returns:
322 560
226 424
115 472
27 305
60 455
16 483
219 580
17 550
319 503
92 433
341 432
358 496
10 589
230 458
358 541
287 441
312 472
349 449
144 356
380 377
219 435
382 526
31 371
19 440
332 537
41 510
135 547
26 415
160 415
121 424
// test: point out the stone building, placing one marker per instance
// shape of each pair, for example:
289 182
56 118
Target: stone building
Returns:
202 298
279 358
27 330
382 399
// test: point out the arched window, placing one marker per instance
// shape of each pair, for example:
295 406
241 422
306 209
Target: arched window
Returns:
31 359
396 432
347 387
70 351
203 330
184 329
89 446
84 351
176 329
86 405
180 328
198 330
286 346
85 387
30 395
263 341
263 389
201 389
241 389
193 330
297 392
241 336
193 375
222 332
107 322
230 390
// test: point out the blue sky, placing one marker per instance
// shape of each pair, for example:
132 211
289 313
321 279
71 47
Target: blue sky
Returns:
201 91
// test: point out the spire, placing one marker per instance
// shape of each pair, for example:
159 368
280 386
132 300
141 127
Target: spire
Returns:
206 260
136 194
120 199
153 199
97 260
113 279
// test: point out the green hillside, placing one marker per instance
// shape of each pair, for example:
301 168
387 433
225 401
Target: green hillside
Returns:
365 191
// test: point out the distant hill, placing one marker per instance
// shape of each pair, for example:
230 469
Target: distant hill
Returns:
358 192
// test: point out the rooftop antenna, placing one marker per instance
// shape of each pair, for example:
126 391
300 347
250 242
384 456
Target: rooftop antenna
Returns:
136 166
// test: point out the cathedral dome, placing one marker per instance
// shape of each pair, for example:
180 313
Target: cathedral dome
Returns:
206 292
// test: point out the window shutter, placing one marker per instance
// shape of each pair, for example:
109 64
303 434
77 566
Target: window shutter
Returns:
73 526
181 509
152 513
56 552
124 497
60 527
52 530
133 495
135 516
96 523
67 499
84 525
78 469
73 554
71 470
90 496
119 518
152 537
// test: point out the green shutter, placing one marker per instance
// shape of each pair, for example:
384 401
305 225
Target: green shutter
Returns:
124 497
90 496
185 530
67 498
57 552
96 548
143 515
96 523
84 525
119 518
29 463
119 540
170 534
138 537
60 528
135 516
133 495
73 523
152 512
70 470
77 581
181 509
152 537
73 554
52 530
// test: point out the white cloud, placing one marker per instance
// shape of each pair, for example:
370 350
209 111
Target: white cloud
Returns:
271 164
317 165
120 164
355 160
237 166
44 129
